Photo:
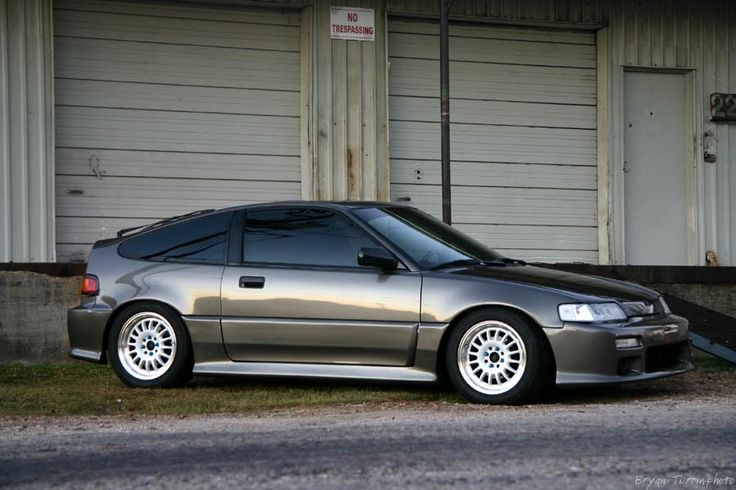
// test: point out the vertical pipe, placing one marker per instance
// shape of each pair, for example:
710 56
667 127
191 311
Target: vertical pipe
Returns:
445 110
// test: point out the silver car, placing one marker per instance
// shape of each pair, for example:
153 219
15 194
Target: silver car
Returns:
359 291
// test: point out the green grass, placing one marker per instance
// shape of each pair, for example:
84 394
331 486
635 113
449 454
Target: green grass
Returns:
78 388
706 362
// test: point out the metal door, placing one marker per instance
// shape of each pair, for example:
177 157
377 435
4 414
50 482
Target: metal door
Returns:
655 176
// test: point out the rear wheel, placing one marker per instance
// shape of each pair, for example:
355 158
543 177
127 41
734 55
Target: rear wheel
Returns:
149 347
498 356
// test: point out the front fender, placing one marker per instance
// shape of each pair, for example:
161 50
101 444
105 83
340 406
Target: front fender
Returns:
445 296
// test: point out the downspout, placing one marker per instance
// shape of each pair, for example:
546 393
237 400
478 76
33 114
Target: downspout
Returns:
445 111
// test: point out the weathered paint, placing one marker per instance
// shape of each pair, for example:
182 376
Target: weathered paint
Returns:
26 132
349 143
33 316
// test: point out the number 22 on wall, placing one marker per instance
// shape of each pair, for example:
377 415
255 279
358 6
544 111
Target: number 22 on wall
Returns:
723 107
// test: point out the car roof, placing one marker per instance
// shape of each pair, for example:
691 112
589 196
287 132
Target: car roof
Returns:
344 205
130 232
331 204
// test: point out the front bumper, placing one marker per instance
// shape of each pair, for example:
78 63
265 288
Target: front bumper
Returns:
587 354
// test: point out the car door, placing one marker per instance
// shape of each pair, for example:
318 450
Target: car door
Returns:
299 295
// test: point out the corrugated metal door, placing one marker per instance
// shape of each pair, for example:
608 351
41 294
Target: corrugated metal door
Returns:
163 109
523 113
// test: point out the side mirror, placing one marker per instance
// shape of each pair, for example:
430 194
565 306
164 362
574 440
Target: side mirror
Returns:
377 257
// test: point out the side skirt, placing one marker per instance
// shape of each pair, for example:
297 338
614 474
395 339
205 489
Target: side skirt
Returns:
337 371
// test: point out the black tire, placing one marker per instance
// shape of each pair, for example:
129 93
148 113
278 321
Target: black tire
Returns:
522 386
170 355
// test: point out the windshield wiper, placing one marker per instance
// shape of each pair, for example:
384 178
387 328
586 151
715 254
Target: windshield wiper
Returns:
504 261
507 260
500 262
457 262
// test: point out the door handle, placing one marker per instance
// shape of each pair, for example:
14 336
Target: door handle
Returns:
252 282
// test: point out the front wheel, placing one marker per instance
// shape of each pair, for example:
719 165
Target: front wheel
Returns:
149 347
498 356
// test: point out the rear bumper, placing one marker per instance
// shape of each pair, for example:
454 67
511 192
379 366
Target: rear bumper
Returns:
86 329
588 355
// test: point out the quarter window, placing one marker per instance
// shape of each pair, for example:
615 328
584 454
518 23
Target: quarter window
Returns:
303 236
200 240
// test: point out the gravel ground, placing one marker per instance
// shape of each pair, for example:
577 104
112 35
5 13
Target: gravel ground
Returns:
612 442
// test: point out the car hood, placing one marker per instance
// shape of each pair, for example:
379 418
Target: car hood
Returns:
563 281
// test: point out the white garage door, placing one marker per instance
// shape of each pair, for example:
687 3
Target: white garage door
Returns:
163 109
523 114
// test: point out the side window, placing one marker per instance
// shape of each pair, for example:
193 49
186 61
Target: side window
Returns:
200 240
303 236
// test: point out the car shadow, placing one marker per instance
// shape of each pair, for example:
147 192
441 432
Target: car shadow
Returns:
651 390
393 391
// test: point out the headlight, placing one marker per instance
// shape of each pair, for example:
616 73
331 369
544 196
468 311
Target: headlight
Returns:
592 312
665 306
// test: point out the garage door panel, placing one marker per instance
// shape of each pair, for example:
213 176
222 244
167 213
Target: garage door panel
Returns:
90 229
494 51
420 78
533 237
72 252
428 172
182 98
506 205
126 61
495 143
192 32
493 32
178 106
172 10
103 128
495 112
523 132
551 256
159 164
154 198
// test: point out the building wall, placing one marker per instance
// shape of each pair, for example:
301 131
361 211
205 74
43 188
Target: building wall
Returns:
695 36
557 12
344 123
700 37
26 132
347 137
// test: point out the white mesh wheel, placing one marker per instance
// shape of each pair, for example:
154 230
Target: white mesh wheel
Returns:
491 357
147 345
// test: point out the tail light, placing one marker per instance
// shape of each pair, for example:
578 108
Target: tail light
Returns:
90 285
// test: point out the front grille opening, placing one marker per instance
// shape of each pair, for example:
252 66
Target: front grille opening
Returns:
665 357
629 366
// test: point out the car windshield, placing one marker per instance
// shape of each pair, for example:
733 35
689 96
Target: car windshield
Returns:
428 241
